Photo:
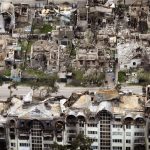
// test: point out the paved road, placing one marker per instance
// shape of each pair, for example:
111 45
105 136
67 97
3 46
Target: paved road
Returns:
66 91
134 89
4 91
23 90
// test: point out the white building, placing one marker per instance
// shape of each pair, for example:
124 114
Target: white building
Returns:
112 122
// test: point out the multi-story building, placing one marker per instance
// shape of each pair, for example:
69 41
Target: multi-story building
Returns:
87 58
112 121
139 13
44 55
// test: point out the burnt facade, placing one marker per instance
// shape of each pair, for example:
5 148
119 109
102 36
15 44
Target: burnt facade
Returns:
110 121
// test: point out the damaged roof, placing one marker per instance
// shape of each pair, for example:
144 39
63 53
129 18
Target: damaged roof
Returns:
107 94
77 104
83 102
44 109
129 103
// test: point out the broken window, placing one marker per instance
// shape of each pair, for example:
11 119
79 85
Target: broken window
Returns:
81 62
93 62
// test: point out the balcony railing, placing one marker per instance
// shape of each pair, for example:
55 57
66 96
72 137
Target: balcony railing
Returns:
139 141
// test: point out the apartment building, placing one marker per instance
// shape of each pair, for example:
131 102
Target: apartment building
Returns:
112 121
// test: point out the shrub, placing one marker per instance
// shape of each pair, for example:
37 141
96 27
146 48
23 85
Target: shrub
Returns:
121 76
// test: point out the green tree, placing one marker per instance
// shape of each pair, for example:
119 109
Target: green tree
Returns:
121 76
96 78
71 50
1 80
7 72
46 28
77 77
25 47
48 82
81 142
59 147
144 77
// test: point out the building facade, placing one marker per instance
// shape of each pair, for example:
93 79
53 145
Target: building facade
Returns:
111 121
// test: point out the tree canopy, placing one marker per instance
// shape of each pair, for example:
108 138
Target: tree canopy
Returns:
80 142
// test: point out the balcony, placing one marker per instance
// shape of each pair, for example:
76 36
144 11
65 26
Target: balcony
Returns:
140 140
71 132
47 132
23 137
2 133
23 132
48 137
59 126
128 119
12 124
71 120
139 121
139 147
12 131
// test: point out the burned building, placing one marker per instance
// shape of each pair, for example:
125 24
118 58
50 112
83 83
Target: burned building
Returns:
87 58
133 54
44 55
82 14
21 13
10 51
63 35
139 12
110 120
96 51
